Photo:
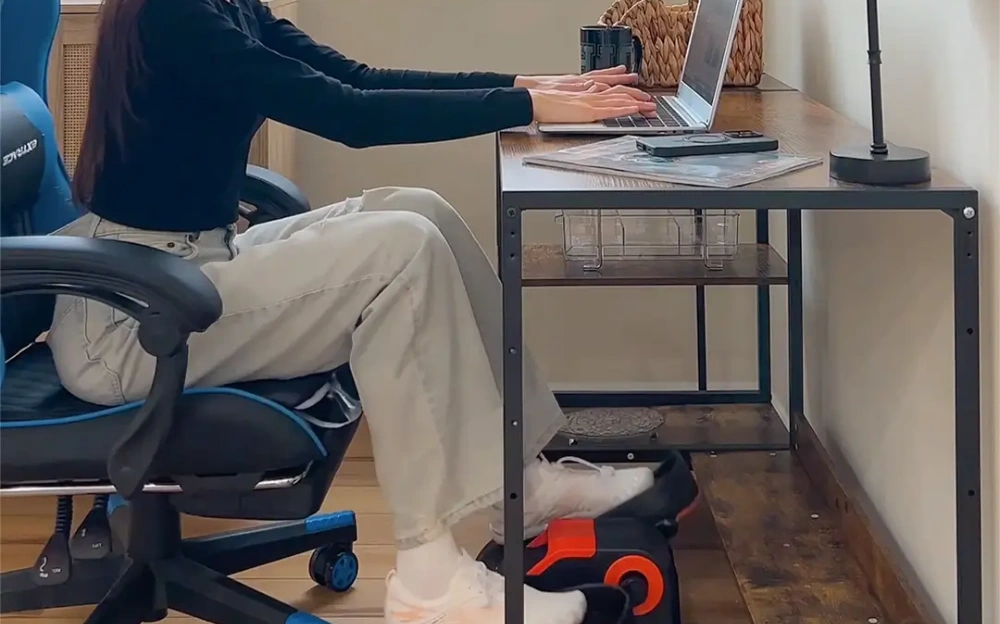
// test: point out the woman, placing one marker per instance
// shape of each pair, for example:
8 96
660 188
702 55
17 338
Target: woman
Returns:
391 281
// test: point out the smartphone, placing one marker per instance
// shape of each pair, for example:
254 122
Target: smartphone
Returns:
733 142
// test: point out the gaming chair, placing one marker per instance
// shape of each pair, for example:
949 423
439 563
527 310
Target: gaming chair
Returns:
242 451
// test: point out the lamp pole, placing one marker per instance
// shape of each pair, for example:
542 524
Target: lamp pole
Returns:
875 71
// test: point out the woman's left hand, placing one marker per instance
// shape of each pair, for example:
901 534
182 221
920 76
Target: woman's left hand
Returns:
597 80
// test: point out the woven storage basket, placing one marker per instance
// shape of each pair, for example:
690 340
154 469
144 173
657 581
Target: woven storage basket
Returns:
664 30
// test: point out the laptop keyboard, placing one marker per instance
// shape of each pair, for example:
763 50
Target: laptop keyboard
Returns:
666 117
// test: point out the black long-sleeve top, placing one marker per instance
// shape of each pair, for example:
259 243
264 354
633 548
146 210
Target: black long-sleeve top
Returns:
215 69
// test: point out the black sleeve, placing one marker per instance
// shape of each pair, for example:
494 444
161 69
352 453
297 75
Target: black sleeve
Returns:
202 47
284 37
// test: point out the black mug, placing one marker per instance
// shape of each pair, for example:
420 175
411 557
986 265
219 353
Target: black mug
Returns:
602 47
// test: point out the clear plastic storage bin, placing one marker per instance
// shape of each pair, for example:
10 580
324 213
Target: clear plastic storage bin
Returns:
593 236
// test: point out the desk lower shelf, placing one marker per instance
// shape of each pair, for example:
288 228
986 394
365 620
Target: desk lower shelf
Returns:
687 428
754 265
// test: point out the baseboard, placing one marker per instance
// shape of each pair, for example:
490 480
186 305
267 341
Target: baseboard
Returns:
888 576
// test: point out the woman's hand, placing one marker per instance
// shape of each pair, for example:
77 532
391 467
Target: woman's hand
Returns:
590 106
597 80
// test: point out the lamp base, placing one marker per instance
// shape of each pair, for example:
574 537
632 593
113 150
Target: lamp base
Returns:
901 166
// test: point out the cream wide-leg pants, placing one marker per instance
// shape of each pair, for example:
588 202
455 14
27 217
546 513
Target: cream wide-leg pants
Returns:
392 282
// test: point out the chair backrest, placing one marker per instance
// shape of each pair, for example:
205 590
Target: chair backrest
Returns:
35 195
27 30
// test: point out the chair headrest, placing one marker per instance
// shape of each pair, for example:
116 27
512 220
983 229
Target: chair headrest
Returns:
22 150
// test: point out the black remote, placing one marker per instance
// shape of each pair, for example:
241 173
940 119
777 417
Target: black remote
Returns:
731 142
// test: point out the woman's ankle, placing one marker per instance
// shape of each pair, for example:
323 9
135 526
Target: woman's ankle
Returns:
426 570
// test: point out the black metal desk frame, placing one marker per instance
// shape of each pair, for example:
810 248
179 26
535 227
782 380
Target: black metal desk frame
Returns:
960 204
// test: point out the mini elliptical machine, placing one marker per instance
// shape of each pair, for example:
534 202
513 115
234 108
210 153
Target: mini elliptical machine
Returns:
627 550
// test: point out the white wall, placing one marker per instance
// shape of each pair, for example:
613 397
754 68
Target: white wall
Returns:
878 299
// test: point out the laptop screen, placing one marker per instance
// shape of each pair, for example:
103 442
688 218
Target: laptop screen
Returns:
708 50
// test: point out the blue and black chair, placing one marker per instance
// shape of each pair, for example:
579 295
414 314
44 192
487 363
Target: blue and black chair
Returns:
266 450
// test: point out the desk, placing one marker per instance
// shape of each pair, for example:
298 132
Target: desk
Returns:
802 126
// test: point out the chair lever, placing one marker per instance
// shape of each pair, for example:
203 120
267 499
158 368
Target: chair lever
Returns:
92 539
54 564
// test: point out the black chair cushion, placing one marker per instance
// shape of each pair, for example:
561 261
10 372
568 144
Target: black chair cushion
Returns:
50 435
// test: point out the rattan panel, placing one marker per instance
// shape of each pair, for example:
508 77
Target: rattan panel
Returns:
76 97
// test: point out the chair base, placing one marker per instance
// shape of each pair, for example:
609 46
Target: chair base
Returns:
160 571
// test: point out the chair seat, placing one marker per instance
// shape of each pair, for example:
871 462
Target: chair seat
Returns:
238 429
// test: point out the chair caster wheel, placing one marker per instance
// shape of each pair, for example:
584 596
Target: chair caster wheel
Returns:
334 567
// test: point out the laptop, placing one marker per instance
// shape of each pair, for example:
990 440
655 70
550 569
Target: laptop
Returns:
692 109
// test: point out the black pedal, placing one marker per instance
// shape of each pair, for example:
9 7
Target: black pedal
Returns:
632 554
92 539
54 565
607 605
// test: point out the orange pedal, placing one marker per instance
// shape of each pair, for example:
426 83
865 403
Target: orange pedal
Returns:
624 552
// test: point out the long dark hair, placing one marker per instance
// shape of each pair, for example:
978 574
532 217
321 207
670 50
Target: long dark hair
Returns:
117 67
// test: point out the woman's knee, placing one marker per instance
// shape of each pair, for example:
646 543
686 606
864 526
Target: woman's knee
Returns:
410 233
421 201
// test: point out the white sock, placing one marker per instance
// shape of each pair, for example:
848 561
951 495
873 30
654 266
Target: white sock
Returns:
426 571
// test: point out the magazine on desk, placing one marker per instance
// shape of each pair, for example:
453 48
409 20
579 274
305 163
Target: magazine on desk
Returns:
620 156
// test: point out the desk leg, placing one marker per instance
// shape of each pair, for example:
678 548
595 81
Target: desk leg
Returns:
968 505
701 324
513 405
763 318
499 208
701 330
796 344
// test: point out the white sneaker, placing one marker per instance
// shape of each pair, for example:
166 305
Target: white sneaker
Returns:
575 488
476 597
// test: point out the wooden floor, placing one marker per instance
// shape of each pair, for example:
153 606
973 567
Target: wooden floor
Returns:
763 550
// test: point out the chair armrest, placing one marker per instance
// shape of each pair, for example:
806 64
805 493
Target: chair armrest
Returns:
272 194
164 283
169 297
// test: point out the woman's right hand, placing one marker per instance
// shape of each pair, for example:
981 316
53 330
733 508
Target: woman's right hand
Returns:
590 106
